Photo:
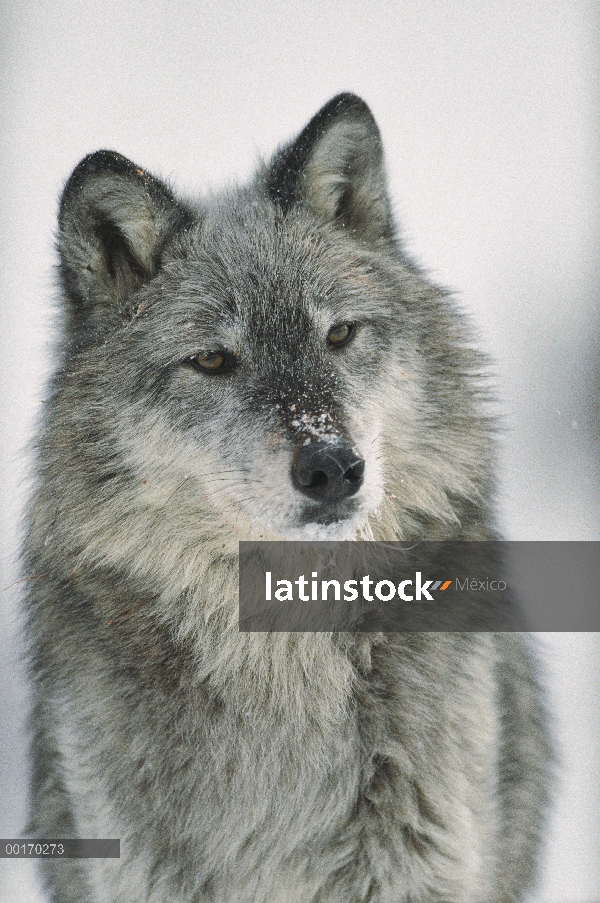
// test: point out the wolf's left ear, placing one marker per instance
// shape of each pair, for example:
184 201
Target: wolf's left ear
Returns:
335 167
114 221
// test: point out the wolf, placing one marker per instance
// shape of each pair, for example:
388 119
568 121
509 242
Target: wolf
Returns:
265 363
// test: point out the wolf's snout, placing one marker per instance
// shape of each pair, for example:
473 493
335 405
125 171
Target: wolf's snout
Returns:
328 472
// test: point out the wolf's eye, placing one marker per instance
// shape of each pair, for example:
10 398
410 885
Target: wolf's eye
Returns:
210 361
341 334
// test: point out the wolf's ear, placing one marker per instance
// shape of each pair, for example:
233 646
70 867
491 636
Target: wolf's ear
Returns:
335 166
113 223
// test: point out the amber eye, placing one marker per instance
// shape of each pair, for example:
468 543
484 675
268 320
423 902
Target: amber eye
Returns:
210 361
340 335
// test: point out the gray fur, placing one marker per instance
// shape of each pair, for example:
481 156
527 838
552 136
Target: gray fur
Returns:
263 768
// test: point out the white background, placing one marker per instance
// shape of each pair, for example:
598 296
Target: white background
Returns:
489 116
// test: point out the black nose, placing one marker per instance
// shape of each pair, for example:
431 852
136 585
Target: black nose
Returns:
328 472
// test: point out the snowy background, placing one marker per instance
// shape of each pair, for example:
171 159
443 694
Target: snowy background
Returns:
489 116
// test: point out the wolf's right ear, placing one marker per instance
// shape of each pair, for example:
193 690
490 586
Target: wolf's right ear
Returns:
114 220
335 167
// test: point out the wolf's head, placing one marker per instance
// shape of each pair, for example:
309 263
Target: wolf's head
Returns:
262 364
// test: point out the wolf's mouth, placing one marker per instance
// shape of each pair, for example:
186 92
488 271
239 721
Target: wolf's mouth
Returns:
325 515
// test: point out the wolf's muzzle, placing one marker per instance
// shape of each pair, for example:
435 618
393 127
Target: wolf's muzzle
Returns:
328 472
